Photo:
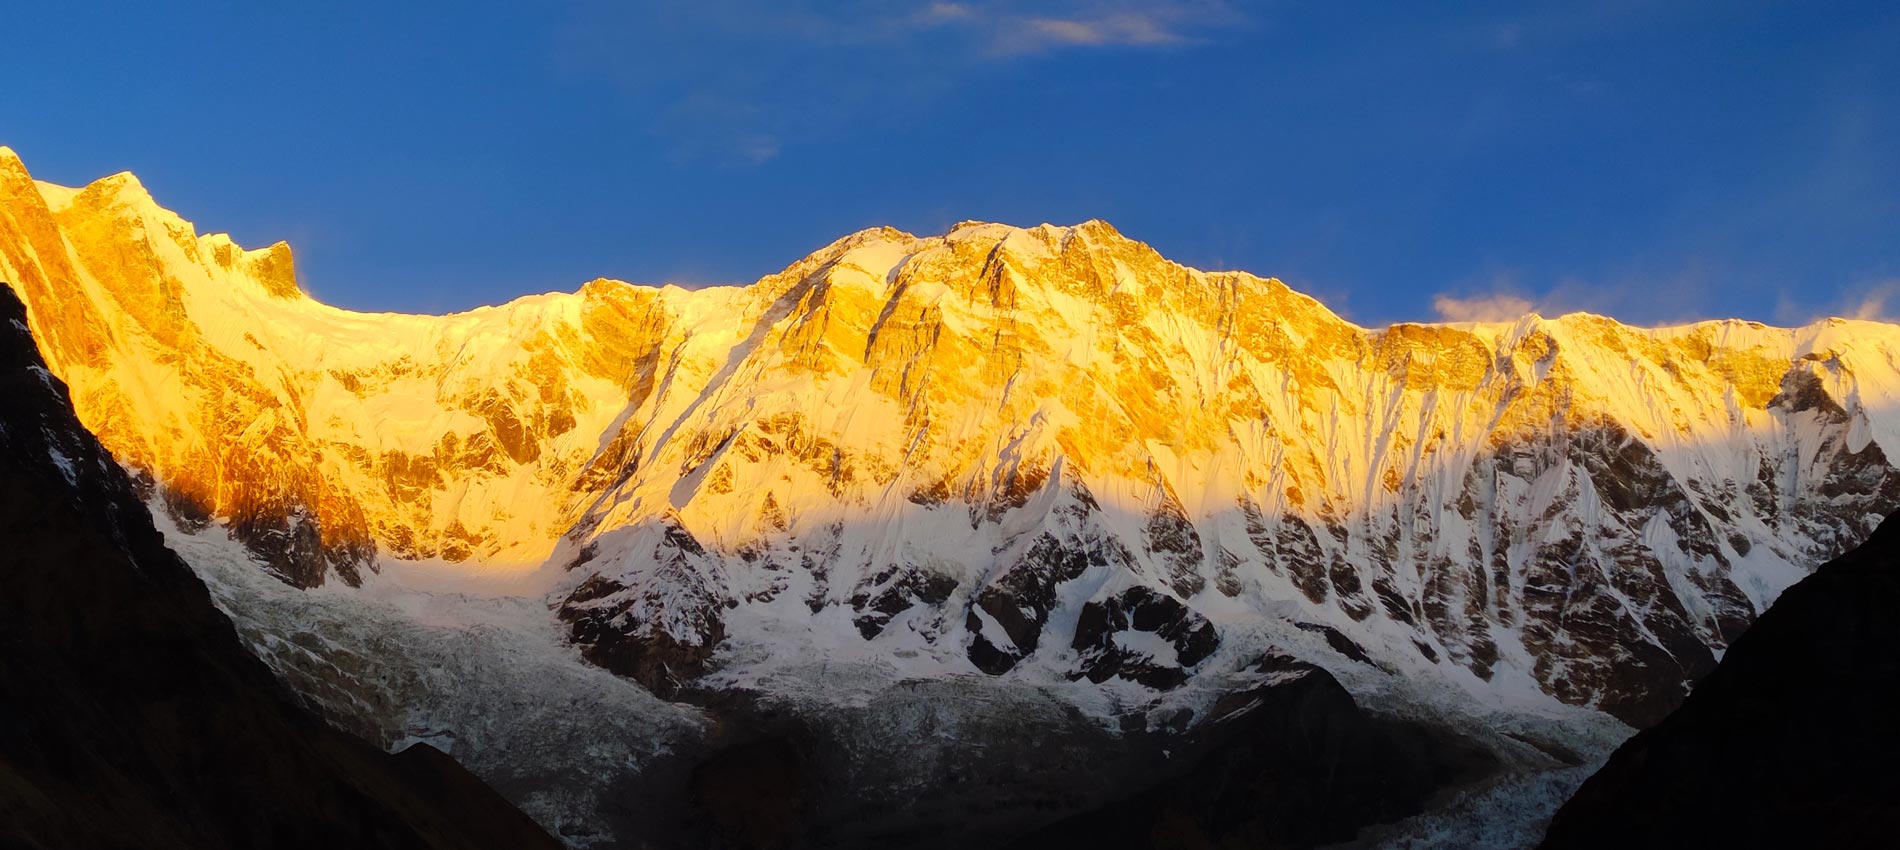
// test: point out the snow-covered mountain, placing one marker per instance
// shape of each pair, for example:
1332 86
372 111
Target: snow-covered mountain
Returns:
1046 453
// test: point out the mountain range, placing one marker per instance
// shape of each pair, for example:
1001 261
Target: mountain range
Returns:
1040 476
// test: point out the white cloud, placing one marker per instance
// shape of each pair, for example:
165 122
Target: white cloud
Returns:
1637 294
1874 304
1496 307
1129 29
1108 23
944 12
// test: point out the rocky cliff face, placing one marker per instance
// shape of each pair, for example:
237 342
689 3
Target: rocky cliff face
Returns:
1788 743
130 713
1042 453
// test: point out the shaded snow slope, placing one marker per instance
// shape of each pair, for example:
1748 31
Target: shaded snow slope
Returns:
903 750
484 678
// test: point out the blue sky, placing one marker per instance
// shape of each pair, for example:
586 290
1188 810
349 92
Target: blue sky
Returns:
1653 161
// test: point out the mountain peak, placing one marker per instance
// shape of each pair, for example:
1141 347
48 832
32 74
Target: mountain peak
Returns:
11 168
123 181
275 269
128 189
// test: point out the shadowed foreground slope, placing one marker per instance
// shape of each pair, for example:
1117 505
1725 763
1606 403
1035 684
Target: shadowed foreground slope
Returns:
1295 764
1791 742
131 716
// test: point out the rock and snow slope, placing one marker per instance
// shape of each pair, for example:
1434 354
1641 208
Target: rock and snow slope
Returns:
131 715
1035 455
1789 743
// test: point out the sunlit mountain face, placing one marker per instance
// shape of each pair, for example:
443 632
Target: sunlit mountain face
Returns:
960 535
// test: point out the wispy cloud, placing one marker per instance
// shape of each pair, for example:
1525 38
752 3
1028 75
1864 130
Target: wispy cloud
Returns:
1003 29
1635 294
1497 307
1496 297
1879 303
738 81
1875 301
1105 24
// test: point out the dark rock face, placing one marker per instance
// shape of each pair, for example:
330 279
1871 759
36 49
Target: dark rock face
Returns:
660 632
1852 484
1028 586
1790 742
286 536
130 714
1020 600
1140 609
1291 763
912 587
621 636
1599 612
289 540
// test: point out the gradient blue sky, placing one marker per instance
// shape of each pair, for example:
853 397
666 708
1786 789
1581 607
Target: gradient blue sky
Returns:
1654 161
